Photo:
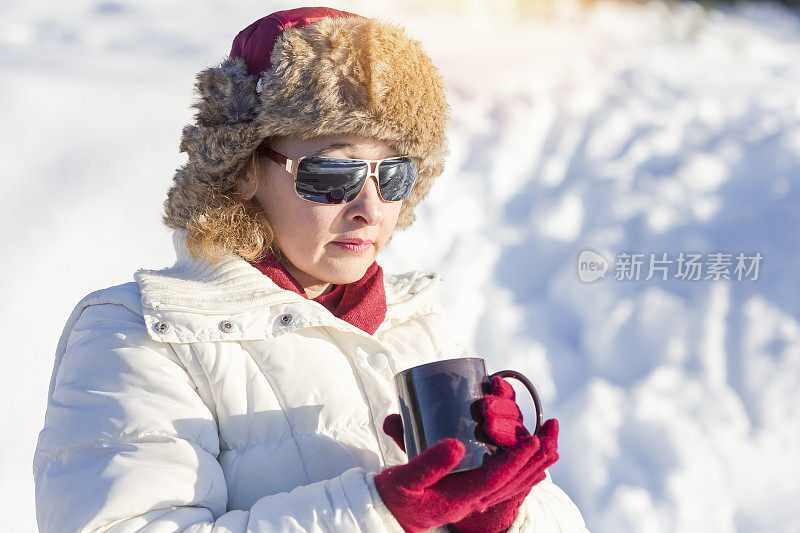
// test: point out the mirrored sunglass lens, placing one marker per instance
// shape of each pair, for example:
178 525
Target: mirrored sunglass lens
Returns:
327 180
397 176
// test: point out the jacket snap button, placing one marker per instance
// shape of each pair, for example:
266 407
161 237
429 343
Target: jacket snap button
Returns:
226 326
286 319
378 361
161 327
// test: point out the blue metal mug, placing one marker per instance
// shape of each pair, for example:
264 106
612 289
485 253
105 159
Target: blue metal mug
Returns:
435 401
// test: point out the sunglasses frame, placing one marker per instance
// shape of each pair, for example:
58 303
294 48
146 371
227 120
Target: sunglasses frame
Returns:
292 165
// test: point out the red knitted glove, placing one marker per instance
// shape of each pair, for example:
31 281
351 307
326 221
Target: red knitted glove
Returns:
499 517
421 495
498 415
499 422
393 426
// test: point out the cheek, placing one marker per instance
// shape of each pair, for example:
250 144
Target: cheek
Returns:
390 216
304 227
291 217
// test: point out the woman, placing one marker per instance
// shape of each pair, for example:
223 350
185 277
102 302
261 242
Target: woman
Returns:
246 388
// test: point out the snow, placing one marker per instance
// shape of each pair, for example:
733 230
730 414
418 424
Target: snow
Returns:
641 128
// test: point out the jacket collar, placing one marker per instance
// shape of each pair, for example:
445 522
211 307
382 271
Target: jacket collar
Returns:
234 286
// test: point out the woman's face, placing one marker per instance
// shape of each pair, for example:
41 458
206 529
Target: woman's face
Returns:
307 232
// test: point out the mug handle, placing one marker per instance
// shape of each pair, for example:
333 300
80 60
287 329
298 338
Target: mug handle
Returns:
531 389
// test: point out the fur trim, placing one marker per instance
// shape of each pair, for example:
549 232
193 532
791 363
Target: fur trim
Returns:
335 76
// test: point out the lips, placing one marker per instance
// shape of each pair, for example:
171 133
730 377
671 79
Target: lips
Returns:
354 245
355 241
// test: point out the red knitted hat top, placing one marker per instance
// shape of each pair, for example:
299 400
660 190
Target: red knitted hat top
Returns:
254 43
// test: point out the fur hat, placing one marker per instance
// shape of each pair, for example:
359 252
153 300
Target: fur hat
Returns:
308 72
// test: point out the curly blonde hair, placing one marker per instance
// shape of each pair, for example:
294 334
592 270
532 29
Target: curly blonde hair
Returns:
224 223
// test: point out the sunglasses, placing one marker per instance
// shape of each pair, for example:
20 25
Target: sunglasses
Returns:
329 180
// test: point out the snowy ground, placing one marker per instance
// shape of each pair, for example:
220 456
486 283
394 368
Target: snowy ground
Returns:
620 128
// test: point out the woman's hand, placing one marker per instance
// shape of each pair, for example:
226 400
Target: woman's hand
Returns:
499 422
393 426
422 495
498 415
500 516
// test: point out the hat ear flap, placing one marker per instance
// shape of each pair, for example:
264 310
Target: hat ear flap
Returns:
225 131
227 94
220 149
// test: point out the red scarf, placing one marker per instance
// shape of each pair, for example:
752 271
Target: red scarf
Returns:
362 303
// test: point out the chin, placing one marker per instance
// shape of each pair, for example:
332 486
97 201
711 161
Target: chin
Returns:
347 275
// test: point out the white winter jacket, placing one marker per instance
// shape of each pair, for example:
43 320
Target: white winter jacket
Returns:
205 398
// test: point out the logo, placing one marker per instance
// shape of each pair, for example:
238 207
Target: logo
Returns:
591 266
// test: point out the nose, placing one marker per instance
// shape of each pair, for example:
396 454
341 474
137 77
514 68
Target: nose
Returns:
367 206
